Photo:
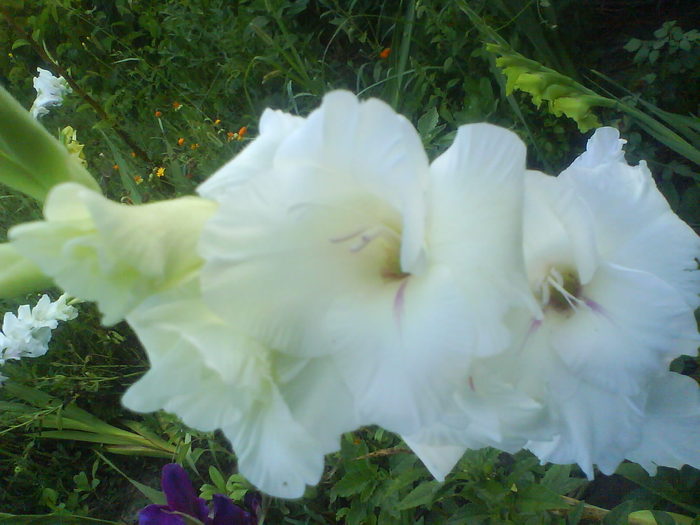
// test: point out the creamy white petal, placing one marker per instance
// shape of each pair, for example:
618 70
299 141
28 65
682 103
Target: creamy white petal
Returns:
256 159
631 325
403 349
557 225
671 426
330 216
475 202
438 459
634 223
604 147
281 416
274 451
595 426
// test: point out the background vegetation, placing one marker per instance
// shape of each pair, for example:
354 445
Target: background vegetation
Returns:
165 92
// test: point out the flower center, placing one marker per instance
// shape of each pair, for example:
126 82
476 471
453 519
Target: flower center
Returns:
560 290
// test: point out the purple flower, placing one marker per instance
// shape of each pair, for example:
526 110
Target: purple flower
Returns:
182 501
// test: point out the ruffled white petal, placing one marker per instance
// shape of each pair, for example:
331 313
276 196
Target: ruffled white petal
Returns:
403 349
594 426
281 416
557 229
438 459
635 325
634 223
671 426
338 208
475 202
255 159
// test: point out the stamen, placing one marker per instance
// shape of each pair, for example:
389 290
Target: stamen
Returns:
571 299
347 237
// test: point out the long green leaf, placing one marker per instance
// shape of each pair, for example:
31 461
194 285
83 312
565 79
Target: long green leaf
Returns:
52 519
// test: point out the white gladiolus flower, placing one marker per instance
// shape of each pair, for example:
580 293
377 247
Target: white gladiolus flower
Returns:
28 333
50 91
334 237
615 273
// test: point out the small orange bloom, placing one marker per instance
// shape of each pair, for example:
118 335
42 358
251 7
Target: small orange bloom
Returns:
194 146
138 179
384 53
176 106
231 135
115 167
133 154
242 132
160 172
158 114
181 141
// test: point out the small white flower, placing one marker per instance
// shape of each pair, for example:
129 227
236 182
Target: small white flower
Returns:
28 333
50 91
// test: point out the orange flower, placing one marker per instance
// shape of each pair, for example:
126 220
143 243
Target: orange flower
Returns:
384 54
181 141
115 167
158 114
242 132
160 172
194 146
176 106
138 179
231 135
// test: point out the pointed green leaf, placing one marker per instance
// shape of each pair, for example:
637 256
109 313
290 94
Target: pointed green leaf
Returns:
31 160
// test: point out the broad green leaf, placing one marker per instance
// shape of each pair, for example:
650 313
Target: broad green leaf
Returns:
619 514
422 495
536 498
658 486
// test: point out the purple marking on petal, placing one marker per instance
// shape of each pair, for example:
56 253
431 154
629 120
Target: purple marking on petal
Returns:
399 302
534 326
593 305
159 515
471 384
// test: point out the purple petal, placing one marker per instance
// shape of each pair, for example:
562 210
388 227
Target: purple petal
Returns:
159 515
180 494
253 501
228 513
